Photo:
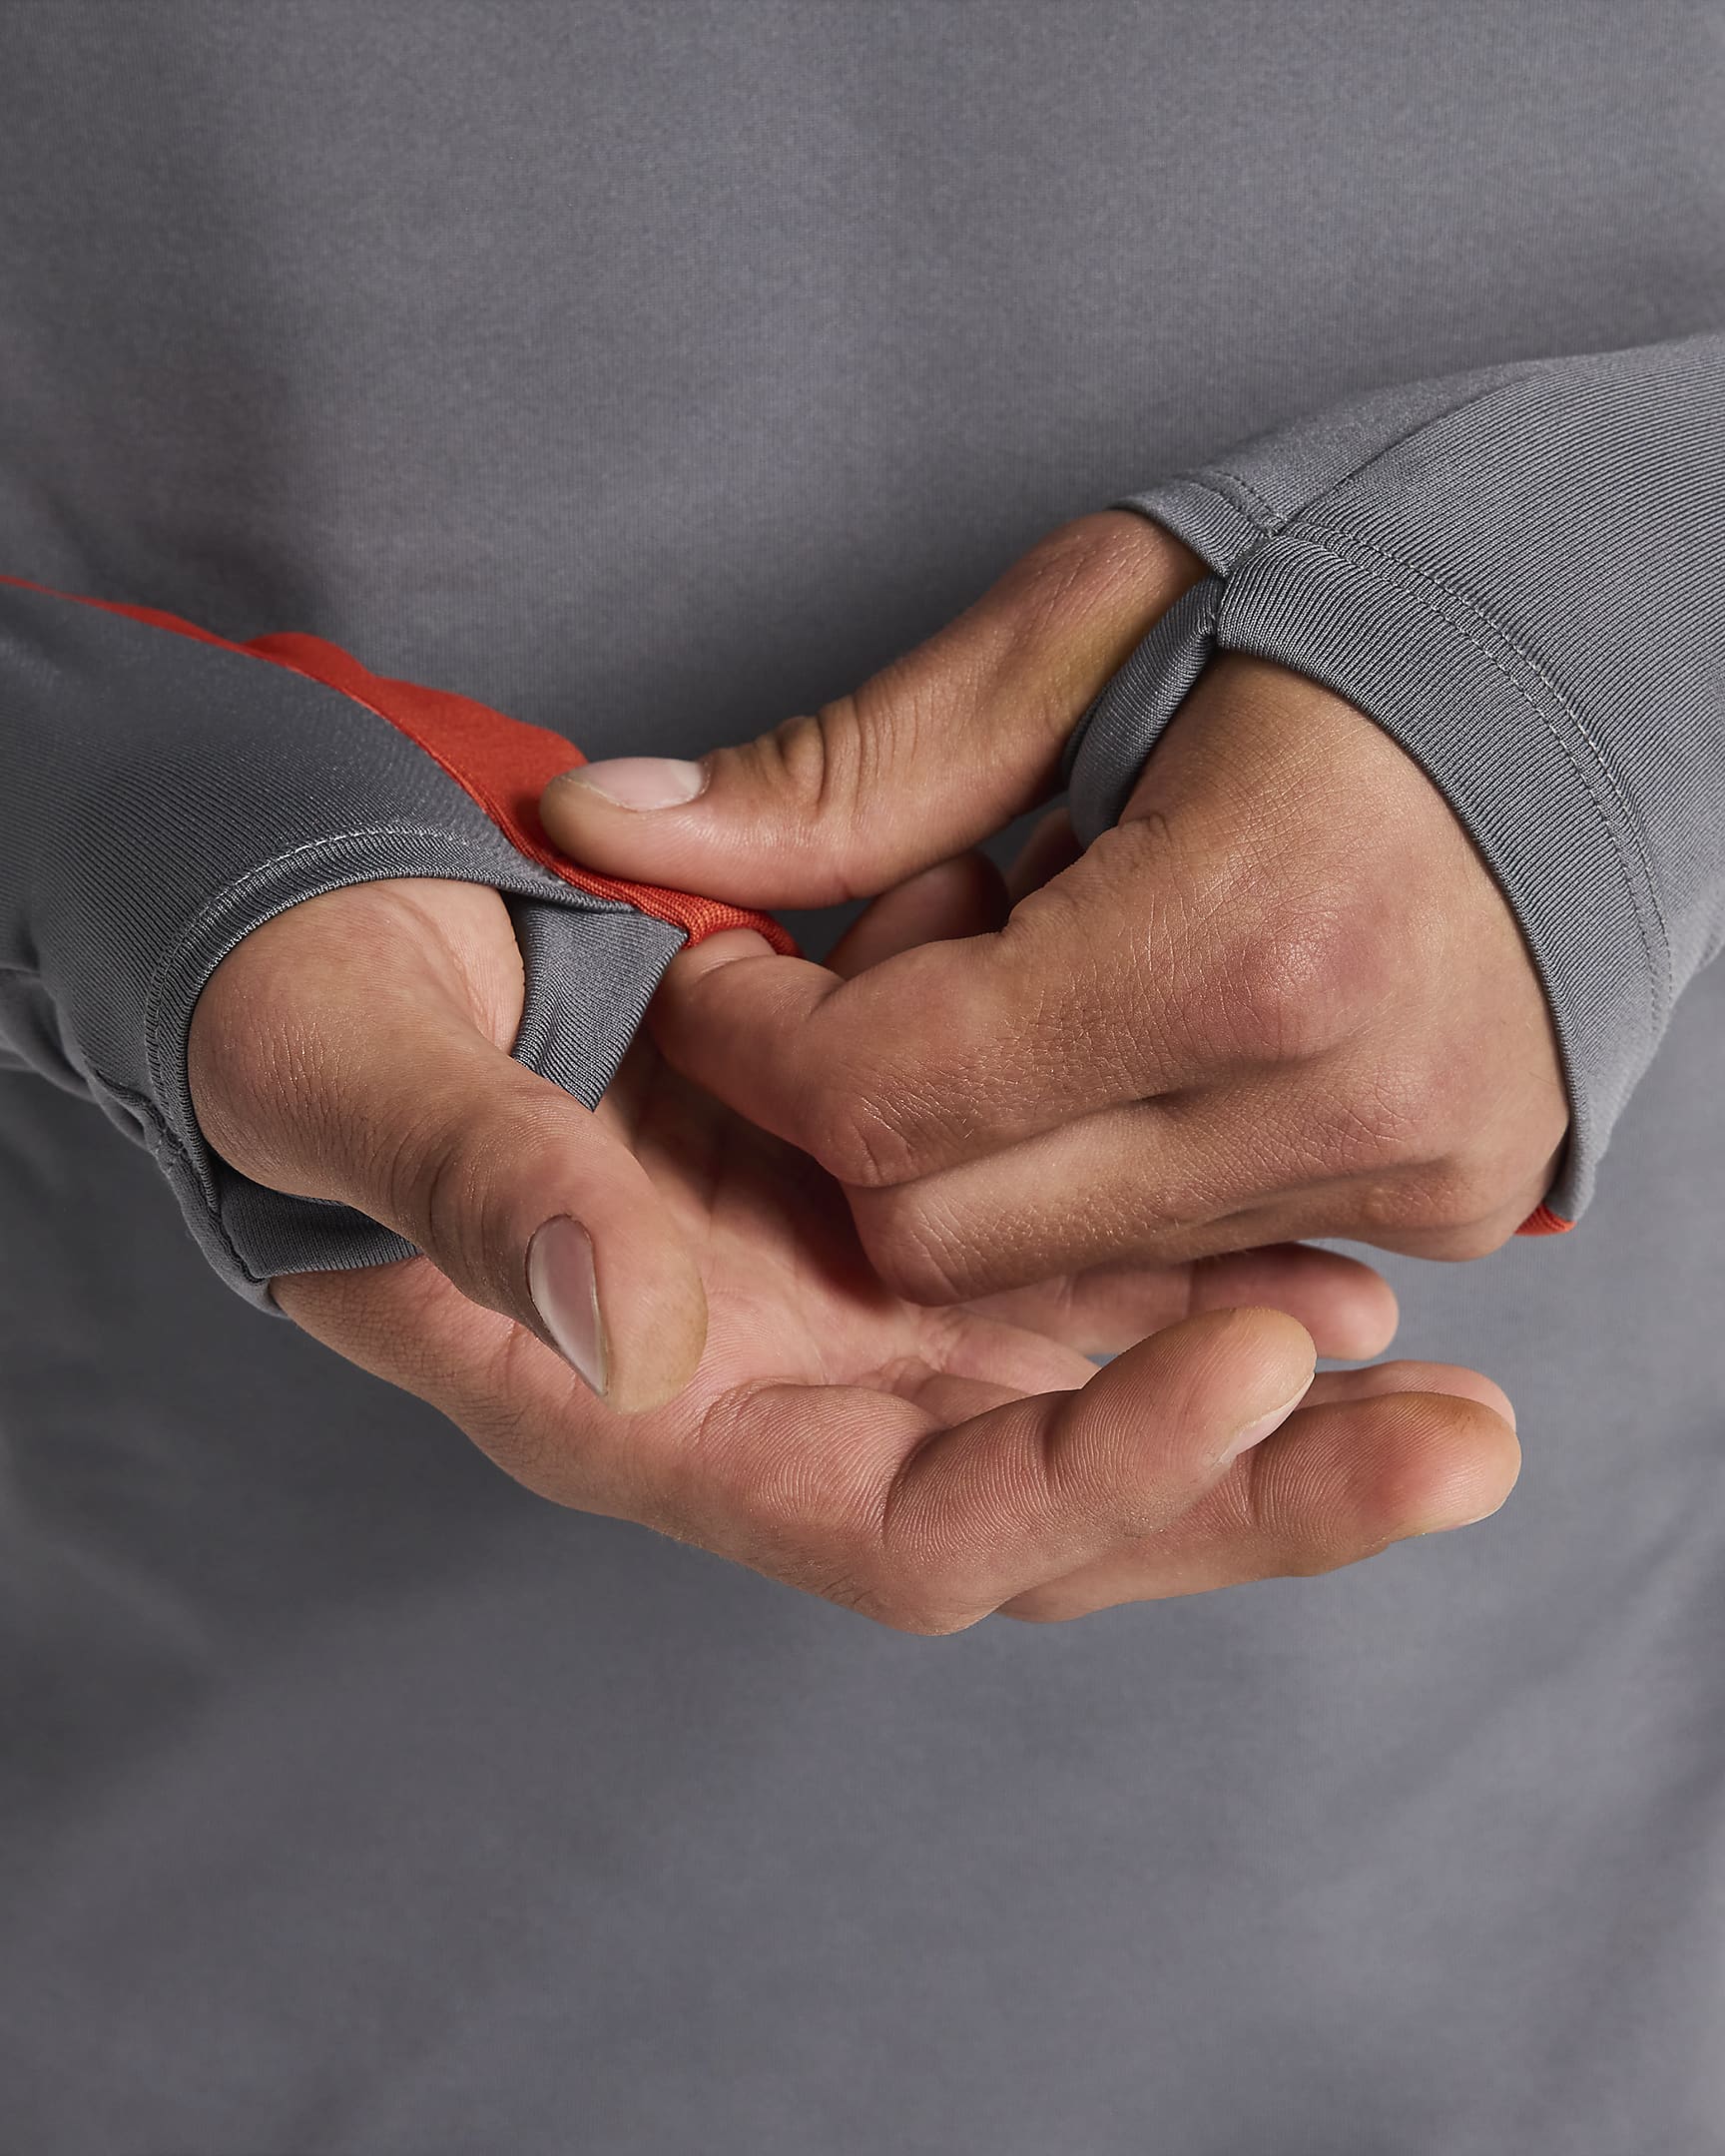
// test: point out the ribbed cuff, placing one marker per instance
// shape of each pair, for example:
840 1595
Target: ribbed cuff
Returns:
590 965
1482 718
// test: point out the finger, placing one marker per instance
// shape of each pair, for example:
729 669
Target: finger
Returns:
1105 986
948 745
964 896
1211 936
929 1529
1194 1177
1349 1310
865 1496
523 1405
1338 1482
1153 1185
1333 1387
1041 1504
1208 935
335 1055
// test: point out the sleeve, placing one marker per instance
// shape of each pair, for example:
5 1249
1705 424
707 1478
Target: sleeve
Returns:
164 791
1520 575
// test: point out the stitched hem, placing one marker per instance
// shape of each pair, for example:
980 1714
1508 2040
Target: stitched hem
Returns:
1555 708
1556 712
1203 515
364 854
1220 514
1482 718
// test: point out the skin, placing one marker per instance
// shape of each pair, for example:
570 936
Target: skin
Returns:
1282 998
764 1394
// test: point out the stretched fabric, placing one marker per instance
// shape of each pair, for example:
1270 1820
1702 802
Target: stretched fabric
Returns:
1516 571
164 791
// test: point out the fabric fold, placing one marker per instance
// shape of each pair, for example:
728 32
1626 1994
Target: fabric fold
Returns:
1516 572
164 791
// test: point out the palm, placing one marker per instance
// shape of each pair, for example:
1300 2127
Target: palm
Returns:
795 1315
921 1463
790 1297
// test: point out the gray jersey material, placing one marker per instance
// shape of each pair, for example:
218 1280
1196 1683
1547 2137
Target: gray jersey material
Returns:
1521 574
651 373
164 797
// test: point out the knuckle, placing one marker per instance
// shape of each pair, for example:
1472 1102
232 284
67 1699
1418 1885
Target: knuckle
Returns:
807 760
1290 986
440 1183
900 1606
827 768
852 1131
915 1247
1445 1210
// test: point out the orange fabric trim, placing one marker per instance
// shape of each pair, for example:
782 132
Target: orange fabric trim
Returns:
504 765
501 764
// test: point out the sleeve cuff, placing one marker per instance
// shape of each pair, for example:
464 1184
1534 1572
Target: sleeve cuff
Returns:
168 790
1481 717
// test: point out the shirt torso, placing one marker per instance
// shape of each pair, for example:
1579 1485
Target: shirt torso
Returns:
653 374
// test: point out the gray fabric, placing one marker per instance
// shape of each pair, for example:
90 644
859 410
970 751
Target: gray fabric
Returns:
163 798
651 373
1518 575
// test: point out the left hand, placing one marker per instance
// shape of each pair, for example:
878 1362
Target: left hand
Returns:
1282 998
779 1405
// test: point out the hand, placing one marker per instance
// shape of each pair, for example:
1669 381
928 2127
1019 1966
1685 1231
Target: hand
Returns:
1282 998
924 1466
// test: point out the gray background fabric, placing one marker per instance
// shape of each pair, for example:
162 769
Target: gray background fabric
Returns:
1519 576
162 799
652 373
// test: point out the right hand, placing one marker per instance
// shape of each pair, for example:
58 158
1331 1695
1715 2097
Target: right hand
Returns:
749 1385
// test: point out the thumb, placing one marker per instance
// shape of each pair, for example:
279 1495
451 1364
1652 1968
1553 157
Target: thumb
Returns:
948 745
339 1052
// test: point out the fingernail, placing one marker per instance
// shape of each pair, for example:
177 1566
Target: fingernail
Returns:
642 781
1256 1433
565 1290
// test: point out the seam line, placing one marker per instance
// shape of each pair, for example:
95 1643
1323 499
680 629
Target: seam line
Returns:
1279 522
1431 593
1541 674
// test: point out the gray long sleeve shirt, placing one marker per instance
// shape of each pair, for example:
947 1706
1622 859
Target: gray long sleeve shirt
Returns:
648 374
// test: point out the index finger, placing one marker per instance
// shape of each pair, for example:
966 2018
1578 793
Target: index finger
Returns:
1091 996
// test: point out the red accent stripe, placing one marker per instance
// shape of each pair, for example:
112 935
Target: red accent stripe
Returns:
504 766
501 764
